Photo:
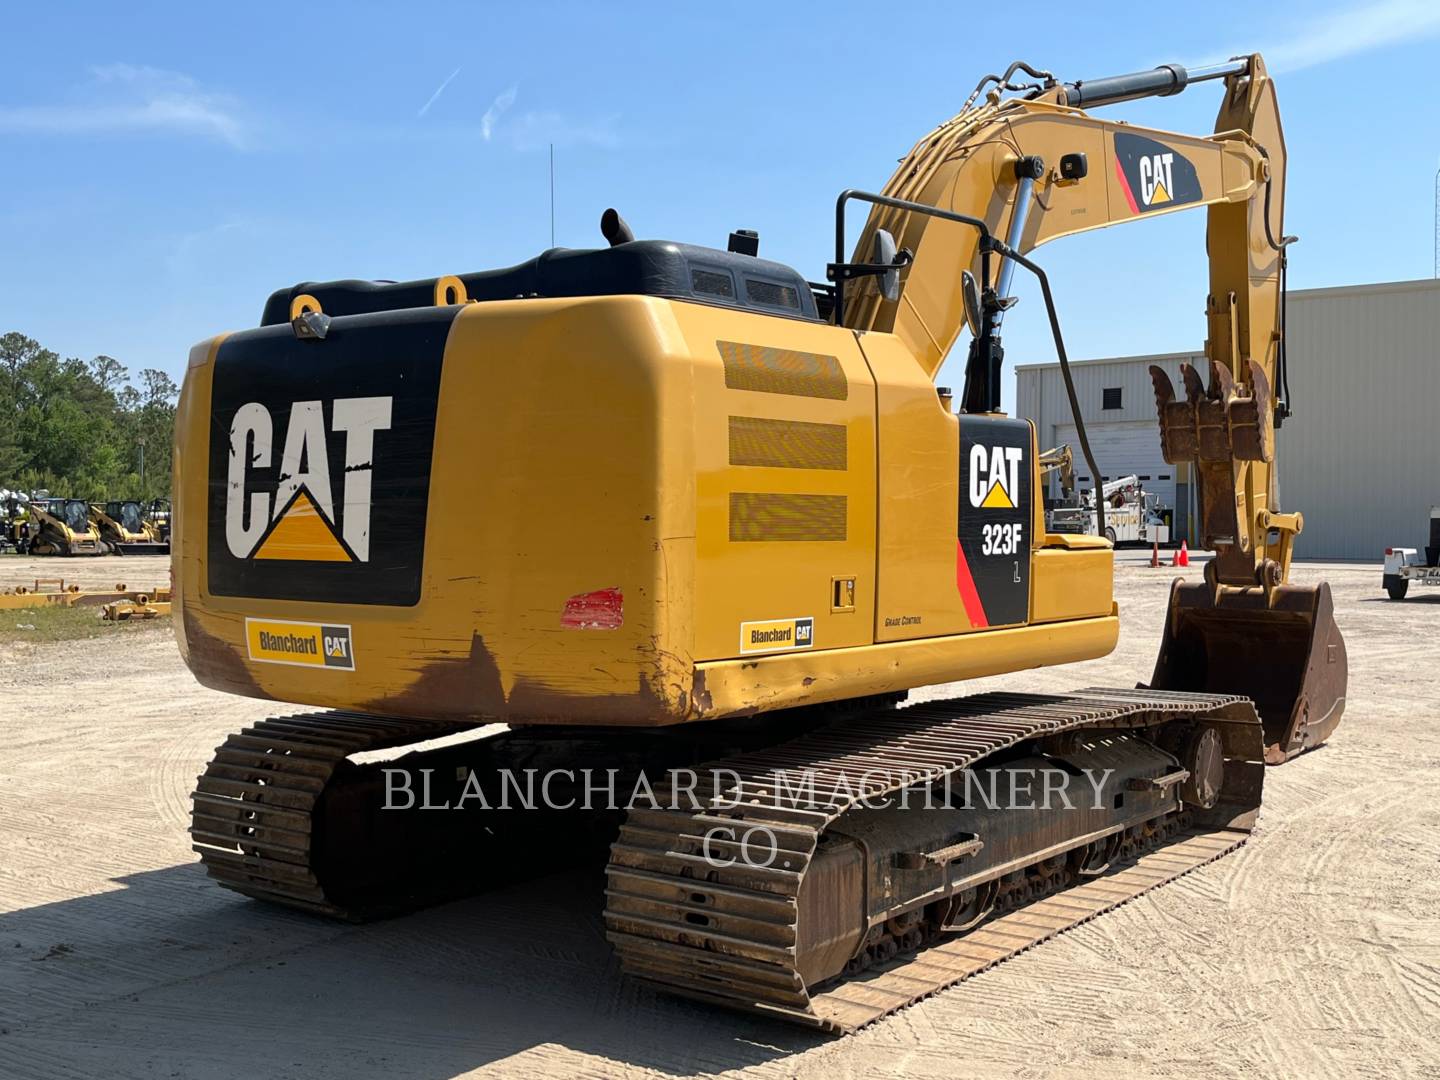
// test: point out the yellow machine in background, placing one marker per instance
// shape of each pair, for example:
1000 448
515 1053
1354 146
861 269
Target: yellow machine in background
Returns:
157 520
1060 459
125 529
63 527
606 493
14 522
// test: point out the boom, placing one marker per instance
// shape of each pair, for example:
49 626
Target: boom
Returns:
1034 168
1037 168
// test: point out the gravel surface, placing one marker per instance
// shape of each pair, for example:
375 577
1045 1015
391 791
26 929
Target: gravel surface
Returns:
1313 951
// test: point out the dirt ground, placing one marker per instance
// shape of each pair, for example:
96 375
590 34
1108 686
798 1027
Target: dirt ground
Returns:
1312 952
89 572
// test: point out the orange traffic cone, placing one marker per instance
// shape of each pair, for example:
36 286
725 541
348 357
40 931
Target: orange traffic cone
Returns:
1155 554
1182 557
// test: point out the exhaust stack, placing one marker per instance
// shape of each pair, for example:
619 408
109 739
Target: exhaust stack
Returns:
615 229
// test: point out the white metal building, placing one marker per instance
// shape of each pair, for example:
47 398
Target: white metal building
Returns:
1358 457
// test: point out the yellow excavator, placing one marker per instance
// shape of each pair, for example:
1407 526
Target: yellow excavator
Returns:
692 526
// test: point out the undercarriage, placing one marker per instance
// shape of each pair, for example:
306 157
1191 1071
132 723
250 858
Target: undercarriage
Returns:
868 860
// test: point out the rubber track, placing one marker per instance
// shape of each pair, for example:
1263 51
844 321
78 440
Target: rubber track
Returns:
252 819
732 939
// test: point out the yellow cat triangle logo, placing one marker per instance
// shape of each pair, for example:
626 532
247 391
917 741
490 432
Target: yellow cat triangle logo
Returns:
1159 195
303 533
997 498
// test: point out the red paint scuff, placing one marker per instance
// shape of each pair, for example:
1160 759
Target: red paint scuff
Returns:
603 609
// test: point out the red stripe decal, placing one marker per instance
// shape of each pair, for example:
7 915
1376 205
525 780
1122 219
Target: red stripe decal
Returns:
974 609
1125 187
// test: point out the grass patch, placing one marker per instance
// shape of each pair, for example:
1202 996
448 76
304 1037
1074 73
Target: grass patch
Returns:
52 622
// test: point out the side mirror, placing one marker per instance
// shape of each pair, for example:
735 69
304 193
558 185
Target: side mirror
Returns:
884 255
885 263
971 292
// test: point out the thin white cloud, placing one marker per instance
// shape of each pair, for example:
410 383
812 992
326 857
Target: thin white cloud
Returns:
123 99
185 256
495 111
536 130
1348 31
438 91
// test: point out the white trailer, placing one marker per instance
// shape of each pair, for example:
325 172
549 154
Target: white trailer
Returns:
1404 565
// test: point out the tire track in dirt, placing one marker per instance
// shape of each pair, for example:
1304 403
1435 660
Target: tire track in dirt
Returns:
1313 982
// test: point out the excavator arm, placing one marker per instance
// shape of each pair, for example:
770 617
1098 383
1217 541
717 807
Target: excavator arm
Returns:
1010 173
1062 460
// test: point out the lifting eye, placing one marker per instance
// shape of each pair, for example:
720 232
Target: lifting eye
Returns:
450 290
308 321
303 304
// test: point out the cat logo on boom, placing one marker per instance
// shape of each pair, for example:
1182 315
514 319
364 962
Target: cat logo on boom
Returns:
1153 176
297 520
1156 178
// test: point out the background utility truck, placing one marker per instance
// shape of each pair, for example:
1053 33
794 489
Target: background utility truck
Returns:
1131 514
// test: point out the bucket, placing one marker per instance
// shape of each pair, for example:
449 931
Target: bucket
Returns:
1284 653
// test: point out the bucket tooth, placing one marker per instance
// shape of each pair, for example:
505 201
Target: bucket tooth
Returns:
1194 385
1212 421
1177 419
1252 420
1164 388
1222 381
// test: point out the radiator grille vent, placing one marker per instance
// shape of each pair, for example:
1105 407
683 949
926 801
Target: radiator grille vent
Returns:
786 444
761 515
782 371
767 292
712 282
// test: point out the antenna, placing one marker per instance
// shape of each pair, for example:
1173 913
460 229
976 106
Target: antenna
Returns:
552 202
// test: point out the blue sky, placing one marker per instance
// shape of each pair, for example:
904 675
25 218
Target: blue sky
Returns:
167 167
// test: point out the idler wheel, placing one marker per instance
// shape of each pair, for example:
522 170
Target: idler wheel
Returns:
1203 756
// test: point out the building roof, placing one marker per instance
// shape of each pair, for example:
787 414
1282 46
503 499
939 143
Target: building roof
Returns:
1331 291
1149 358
